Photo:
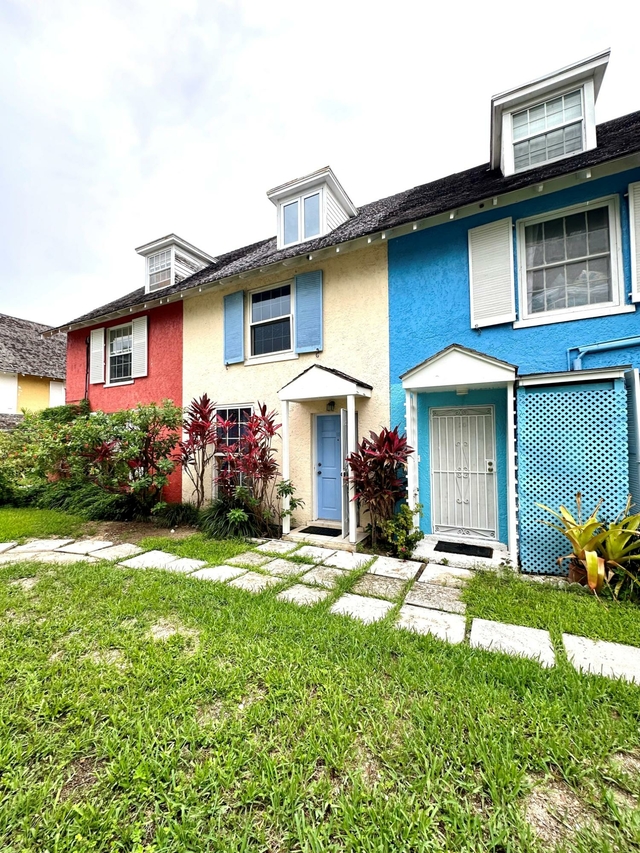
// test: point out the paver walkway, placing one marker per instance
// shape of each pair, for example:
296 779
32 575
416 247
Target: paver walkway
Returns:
424 599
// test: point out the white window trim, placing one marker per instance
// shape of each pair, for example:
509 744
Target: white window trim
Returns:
172 266
107 343
300 199
616 306
588 125
280 355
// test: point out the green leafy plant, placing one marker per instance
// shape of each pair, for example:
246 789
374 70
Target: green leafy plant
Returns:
175 515
228 517
401 533
602 552
378 469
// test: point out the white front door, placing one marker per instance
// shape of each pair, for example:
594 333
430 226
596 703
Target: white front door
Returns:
463 471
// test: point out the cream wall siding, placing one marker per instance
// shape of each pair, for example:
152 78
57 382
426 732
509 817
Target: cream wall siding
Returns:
356 341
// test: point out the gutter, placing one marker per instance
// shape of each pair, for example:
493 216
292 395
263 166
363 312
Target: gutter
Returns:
575 362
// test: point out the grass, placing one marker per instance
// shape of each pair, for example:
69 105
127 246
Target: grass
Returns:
508 598
197 547
22 523
146 711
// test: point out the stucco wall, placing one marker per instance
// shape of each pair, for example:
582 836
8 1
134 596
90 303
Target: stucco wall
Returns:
164 374
429 296
355 317
33 393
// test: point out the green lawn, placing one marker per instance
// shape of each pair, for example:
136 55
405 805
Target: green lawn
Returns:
20 523
260 726
508 598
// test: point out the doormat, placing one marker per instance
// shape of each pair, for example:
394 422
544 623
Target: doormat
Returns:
464 548
322 531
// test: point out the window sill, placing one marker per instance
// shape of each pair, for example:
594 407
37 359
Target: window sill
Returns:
118 384
268 359
548 319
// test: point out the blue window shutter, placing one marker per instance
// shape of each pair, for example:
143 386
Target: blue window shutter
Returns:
309 311
234 327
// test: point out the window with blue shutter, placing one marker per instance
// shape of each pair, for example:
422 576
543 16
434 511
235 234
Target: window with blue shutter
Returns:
234 328
308 311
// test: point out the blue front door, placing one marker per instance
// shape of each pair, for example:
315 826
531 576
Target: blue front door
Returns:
329 467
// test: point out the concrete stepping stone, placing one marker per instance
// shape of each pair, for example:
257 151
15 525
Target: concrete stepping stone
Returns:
598 657
61 558
253 582
150 560
347 560
513 640
390 567
42 545
446 626
445 575
303 595
367 610
221 574
277 546
436 597
12 557
249 558
325 576
312 552
185 565
118 552
85 546
6 546
382 587
284 568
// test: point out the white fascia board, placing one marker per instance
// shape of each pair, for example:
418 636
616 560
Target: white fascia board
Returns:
309 182
593 67
457 367
173 240
573 376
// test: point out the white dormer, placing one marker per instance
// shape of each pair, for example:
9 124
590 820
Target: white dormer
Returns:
310 207
549 119
170 260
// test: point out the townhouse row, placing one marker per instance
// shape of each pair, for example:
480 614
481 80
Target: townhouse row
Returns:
491 313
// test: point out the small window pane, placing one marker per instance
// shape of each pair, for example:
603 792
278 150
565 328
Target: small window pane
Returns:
271 337
270 303
290 213
576 228
312 215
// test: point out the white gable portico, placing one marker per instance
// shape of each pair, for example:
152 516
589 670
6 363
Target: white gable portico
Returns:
459 444
324 383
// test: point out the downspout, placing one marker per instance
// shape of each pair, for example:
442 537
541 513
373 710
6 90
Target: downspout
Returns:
575 363
86 372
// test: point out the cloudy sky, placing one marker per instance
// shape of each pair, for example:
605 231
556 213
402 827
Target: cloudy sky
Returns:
123 121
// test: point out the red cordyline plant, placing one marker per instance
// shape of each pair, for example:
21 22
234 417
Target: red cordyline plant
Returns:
378 469
202 429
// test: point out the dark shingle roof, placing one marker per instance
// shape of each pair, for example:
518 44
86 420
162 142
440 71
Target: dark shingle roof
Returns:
616 138
9 422
22 350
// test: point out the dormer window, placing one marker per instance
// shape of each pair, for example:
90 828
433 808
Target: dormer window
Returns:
159 269
310 207
548 131
169 261
548 119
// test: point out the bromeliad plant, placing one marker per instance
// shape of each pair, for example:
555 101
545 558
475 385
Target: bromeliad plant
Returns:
378 469
602 552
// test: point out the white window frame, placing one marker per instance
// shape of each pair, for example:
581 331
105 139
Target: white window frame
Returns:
616 306
588 126
171 251
129 380
302 238
277 355
219 456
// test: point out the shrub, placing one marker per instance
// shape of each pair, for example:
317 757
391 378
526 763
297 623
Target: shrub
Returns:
378 473
230 517
198 449
400 532
89 501
175 515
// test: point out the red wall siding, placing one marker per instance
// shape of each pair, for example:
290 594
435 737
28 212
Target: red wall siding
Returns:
164 374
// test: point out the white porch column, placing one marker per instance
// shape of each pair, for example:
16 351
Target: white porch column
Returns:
286 521
511 476
412 461
351 448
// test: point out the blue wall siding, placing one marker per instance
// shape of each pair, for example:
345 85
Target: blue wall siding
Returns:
496 397
429 297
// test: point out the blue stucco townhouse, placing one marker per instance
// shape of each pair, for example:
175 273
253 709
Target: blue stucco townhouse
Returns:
514 323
